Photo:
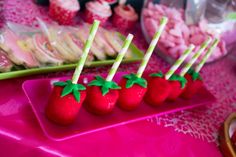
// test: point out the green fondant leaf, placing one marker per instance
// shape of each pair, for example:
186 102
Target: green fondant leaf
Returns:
181 79
67 90
143 84
129 83
114 85
59 83
159 74
99 78
105 85
133 79
127 76
105 90
69 87
81 87
95 83
194 74
76 94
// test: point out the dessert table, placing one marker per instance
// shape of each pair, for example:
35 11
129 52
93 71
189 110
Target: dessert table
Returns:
187 133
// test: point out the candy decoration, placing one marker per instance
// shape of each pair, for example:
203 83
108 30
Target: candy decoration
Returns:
179 62
86 49
102 94
195 57
152 46
208 54
133 86
119 58
67 97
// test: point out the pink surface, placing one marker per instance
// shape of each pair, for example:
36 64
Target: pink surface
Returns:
197 129
39 90
141 139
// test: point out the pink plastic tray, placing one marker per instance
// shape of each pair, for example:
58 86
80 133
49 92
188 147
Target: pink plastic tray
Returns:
38 92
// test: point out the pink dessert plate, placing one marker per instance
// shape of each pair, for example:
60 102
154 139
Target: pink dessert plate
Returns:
39 90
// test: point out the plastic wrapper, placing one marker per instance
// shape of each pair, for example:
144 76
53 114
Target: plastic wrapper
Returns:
51 45
187 25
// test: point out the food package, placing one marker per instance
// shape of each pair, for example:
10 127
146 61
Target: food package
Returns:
52 44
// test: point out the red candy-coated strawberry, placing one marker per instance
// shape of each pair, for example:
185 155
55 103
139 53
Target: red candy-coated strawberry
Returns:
102 96
132 91
158 89
194 83
65 102
177 84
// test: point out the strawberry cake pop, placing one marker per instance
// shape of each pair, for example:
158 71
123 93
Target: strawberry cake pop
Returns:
158 84
178 81
133 86
67 97
194 83
194 80
102 94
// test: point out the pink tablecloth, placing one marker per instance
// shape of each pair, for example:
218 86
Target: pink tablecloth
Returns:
187 133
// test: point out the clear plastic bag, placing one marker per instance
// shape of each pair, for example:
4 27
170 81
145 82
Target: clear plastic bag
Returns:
51 45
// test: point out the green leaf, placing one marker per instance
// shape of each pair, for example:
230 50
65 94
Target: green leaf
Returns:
159 74
105 85
76 94
194 74
134 79
67 89
129 83
105 90
59 83
143 84
181 79
99 78
95 83
114 85
81 87
128 76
